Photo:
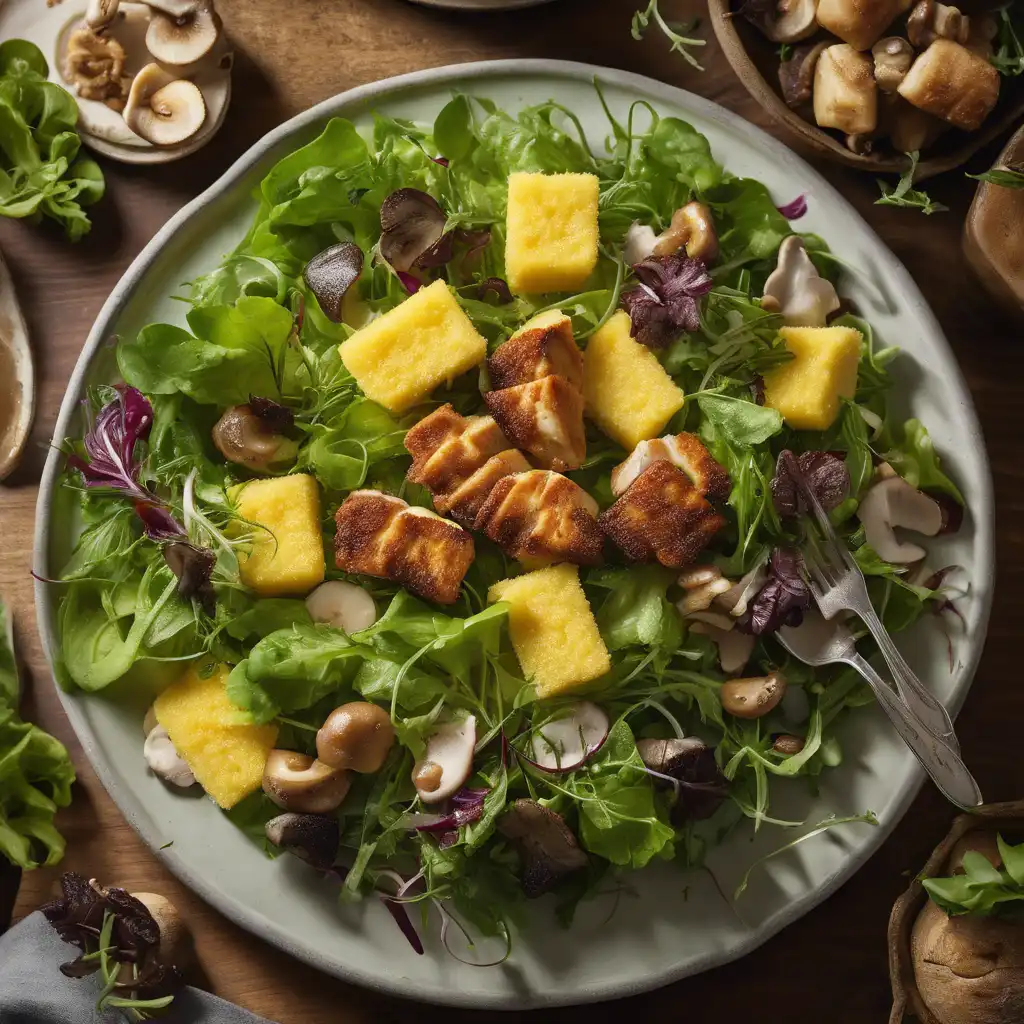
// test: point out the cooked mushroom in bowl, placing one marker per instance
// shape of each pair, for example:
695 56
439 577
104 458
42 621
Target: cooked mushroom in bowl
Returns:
866 83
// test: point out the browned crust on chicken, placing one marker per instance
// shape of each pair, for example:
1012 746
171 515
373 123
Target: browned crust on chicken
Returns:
709 476
379 535
542 517
545 418
662 516
449 449
465 502
535 353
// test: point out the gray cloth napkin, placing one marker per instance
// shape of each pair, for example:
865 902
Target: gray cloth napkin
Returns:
33 991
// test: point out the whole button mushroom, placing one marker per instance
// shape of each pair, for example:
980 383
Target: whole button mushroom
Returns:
753 697
296 782
447 762
356 737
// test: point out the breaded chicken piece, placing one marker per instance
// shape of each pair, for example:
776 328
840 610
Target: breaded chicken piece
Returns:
686 451
381 535
464 503
544 418
447 448
536 352
662 516
540 517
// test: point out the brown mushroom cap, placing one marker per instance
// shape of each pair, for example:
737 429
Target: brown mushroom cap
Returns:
547 845
162 109
752 697
796 75
183 39
244 438
357 736
296 782
314 838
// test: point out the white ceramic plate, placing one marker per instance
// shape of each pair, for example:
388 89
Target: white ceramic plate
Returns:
664 933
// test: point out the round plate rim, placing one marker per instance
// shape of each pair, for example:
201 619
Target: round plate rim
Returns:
982 510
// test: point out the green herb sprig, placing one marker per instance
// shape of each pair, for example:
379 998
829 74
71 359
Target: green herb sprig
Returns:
905 195
680 41
1008 55
983 888
110 971
1007 177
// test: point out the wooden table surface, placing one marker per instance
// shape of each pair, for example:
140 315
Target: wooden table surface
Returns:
831 965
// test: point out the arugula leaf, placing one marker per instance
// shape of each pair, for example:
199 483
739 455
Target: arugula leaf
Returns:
738 420
905 195
1008 55
636 612
982 889
35 773
1007 177
41 173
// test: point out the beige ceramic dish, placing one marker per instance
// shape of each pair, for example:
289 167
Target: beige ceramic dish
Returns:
755 60
993 239
1006 818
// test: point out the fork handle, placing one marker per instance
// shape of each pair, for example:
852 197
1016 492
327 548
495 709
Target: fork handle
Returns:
921 702
940 759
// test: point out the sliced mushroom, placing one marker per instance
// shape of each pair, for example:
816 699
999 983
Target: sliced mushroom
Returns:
734 647
804 297
891 503
752 697
931 20
314 838
639 243
702 583
330 274
248 439
692 227
297 782
736 599
342 605
893 57
413 230
788 745
357 737
982 35
796 75
845 95
909 129
691 763
100 13
567 741
447 762
546 844
162 109
862 145
185 37
164 760
788 21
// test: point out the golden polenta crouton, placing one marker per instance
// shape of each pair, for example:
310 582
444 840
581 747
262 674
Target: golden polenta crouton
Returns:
545 418
227 758
540 517
400 357
552 629
684 450
287 550
551 231
541 347
628 393
381 535
951 82
662 517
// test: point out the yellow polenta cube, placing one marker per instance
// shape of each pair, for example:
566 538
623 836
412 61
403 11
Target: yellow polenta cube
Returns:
807 389
400 357
286 555
227 758
627 391
553 630
550 231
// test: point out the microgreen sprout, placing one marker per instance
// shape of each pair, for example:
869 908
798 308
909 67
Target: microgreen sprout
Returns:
905 195
680 40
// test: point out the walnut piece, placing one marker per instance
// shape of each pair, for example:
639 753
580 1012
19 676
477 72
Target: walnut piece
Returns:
95 67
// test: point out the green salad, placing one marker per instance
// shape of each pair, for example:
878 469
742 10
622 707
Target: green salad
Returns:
655 757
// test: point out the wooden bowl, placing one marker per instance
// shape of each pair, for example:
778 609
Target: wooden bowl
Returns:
755 60
992 238
1007 818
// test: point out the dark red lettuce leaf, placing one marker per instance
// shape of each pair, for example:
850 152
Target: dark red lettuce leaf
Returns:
276 416
823 473
783 599
667 300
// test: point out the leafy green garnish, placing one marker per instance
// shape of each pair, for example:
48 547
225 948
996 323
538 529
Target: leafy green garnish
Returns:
905 195
1008 55
680 41
35 774
1007 177
41 172
982 888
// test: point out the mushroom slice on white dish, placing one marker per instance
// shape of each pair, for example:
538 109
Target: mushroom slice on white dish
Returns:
566 742
183 38
162 109
447 762
801 294
892 503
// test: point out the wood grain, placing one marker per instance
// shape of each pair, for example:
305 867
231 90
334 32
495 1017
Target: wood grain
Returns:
831 964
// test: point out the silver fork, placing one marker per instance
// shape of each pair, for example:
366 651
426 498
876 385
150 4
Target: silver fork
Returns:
817 642
838 585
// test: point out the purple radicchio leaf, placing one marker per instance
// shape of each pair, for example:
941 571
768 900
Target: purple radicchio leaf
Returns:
666 301
783 599
796 209
823 473
409 283
276 416
466 807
